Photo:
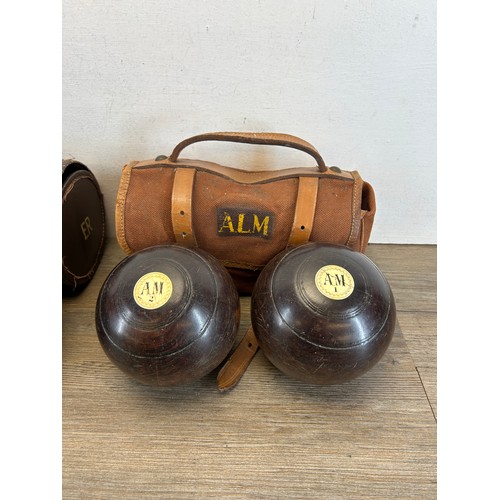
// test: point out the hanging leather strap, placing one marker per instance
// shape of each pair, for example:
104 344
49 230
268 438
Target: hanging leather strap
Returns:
182 195
305 207
236 365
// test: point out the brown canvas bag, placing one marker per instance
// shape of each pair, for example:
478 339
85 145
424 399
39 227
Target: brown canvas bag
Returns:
243 218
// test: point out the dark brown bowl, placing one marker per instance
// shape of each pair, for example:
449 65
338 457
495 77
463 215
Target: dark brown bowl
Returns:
323 313
167 315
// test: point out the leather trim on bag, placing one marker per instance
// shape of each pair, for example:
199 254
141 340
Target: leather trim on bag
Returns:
245 176
182 211
120 207
305 208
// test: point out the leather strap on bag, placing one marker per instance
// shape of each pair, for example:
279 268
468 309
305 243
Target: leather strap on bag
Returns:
305 207
263 138
236 365
182 195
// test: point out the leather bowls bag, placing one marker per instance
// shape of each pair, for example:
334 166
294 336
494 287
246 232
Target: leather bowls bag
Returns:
242 217
322 313
167 315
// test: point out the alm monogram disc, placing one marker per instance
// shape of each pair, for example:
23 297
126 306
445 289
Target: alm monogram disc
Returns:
153 290
334 282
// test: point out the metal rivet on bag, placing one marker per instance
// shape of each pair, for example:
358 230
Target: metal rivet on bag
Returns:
336 169
161 157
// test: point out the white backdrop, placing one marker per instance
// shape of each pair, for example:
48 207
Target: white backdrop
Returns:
357 79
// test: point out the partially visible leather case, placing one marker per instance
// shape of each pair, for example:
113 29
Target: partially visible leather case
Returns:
83 226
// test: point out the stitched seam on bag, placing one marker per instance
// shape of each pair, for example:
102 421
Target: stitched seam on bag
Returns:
362 233
357 183
120 207
71 185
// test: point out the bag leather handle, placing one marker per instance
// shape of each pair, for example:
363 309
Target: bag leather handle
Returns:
263 138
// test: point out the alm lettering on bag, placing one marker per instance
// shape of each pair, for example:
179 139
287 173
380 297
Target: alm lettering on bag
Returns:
240 222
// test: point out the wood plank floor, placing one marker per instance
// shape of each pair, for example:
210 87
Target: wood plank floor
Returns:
270 437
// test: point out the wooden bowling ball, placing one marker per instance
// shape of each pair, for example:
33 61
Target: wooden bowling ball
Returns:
323 313
167 315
